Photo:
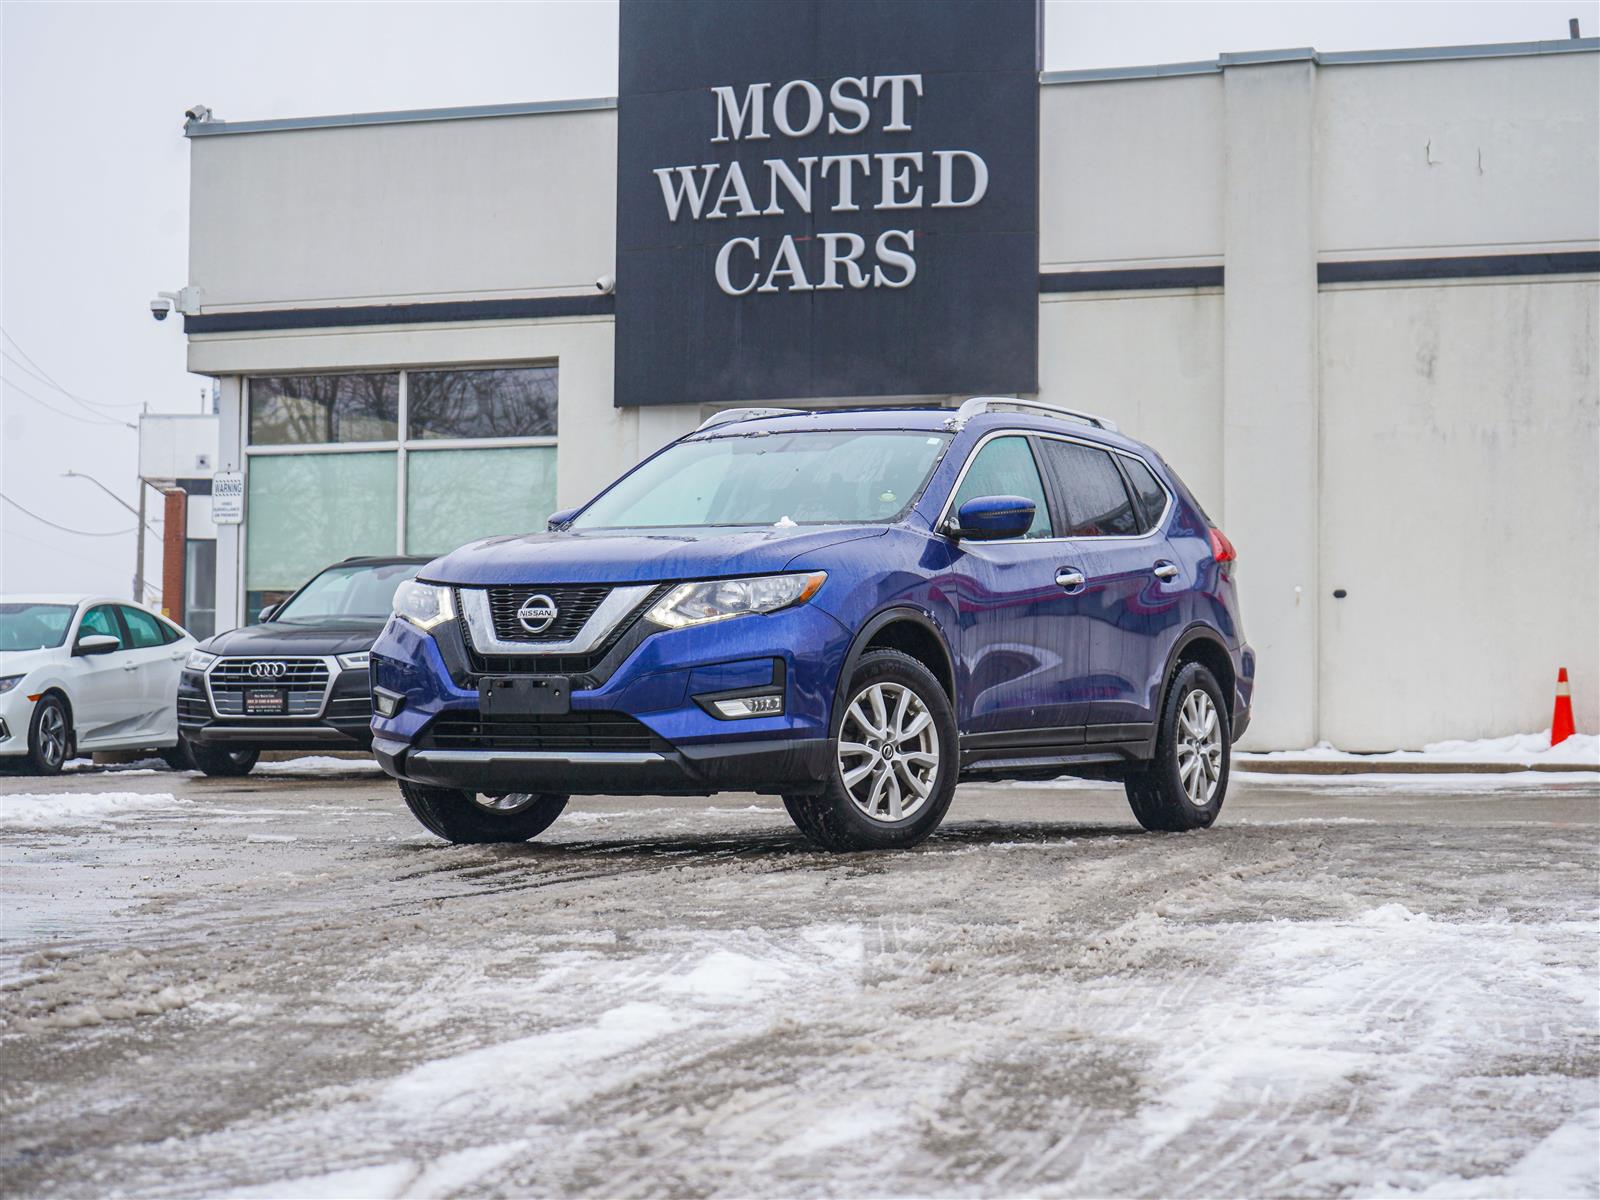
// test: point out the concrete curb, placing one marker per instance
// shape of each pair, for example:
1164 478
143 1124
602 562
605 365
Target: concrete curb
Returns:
1345 766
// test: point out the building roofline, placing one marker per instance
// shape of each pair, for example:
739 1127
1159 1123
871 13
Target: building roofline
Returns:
408 116
1330 58
1336 58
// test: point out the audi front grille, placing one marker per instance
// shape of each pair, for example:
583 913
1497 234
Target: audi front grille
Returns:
304 682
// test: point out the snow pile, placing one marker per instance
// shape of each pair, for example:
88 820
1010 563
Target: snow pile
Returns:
1523 749
317 764
32 810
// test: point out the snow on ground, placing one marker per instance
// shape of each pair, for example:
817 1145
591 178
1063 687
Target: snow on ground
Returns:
317 764
679 998
28 810
1527 749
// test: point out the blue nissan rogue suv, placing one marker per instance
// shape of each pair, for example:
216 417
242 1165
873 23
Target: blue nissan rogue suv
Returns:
852 610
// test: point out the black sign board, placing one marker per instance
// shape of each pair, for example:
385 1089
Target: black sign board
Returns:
826 198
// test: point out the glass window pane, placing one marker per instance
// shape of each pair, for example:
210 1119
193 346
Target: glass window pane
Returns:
305 511
200 587
293 410
492 403
456 496
101 622
143 630
1005 467
1151 496
1098 504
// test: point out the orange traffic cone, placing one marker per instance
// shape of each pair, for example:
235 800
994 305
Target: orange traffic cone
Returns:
1561 727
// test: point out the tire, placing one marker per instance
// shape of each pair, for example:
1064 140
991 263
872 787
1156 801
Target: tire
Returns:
49 736
177 757
884 806
463 818
220 760
1158 793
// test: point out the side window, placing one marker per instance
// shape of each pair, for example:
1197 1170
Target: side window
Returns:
1098 504
1005 467
144 631
101 621
1152 498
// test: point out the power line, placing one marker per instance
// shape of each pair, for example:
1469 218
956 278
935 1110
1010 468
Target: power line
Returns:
64 528
93 419
44 376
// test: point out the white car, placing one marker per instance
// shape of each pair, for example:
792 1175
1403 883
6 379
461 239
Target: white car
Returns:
87 673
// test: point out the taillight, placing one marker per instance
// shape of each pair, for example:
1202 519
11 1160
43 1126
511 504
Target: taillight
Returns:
1221 548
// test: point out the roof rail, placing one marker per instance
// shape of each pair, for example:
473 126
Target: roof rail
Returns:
729 415
983 404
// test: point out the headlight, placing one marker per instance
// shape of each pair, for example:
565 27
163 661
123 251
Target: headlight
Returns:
356 661
423 604
199 660
7 682
717 599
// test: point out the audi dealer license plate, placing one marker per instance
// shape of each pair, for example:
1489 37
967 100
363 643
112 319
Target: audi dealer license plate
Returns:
265 702
524 695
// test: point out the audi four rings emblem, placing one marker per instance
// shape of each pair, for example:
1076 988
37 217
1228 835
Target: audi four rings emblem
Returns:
538 613
267 670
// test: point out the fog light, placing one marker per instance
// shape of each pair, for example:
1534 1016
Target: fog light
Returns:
750 706
387 703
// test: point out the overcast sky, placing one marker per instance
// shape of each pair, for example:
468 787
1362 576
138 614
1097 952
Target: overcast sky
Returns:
94 178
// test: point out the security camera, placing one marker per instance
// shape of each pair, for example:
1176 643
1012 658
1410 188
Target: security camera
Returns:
605 285
198 113
160 307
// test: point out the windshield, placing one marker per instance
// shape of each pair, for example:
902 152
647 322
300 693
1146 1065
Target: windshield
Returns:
33 626
354 592
815 478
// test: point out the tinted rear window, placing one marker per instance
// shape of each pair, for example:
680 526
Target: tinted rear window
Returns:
1098 504
1152 497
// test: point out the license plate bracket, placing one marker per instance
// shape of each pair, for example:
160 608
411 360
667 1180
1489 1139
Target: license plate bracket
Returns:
524 695
265 702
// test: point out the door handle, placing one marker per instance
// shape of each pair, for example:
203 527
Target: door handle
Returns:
1165 570
1069 578
130 666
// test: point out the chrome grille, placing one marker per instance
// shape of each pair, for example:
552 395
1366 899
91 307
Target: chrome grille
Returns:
574 606
304 682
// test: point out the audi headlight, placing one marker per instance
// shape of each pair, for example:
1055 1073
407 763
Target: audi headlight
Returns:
199 660
7 682
423 604
718 599
355 662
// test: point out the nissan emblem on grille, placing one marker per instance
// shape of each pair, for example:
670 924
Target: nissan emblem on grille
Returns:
538 613
267 670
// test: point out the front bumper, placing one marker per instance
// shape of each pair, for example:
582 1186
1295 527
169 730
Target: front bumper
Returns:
671 740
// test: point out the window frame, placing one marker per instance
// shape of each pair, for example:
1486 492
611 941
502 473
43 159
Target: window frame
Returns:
1058 509
402 446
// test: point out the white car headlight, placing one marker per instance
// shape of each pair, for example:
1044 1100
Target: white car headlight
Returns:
199 660
423 604
718 599
7 682
355 662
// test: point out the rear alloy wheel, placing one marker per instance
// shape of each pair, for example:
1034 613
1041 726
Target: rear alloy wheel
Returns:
896 765
1183 786
470 818
49 736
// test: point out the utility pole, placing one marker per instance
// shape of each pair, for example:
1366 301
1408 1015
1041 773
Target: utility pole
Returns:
138 552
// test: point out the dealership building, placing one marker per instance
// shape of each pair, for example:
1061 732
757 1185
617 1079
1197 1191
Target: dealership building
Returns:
1351 298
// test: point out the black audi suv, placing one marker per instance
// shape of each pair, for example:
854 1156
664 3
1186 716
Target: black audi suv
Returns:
296 681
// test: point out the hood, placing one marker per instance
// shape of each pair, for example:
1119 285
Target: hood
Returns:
636 556
272 637
20 662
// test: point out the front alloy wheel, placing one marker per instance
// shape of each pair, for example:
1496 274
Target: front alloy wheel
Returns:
888 752
892 780
50 737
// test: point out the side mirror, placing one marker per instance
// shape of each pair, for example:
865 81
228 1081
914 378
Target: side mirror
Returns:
266 613
991 518
558 519
97 643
